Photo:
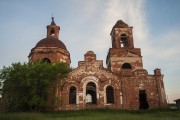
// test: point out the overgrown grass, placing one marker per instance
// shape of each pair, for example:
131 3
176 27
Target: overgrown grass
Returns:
103 114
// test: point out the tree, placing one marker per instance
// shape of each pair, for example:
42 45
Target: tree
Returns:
26 85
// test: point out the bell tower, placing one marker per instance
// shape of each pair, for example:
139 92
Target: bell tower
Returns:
123 55
121 35
53 30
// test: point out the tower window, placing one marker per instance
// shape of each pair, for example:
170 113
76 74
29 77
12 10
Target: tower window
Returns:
52 32
110 94
124 41
47 60
126 66
72 95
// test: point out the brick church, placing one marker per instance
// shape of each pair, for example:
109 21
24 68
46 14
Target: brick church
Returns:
124 84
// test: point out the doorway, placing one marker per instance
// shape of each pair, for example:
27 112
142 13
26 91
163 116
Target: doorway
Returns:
91 97
143 100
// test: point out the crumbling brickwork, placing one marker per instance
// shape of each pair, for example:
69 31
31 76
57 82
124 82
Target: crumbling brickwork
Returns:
90 71
124 84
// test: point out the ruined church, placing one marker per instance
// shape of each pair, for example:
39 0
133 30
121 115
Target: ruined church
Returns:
124 84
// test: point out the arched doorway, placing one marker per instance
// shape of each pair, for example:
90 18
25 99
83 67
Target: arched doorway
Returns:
143 103
91 97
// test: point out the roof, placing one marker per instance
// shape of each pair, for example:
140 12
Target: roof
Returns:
51 42
89 52
120 24
52 22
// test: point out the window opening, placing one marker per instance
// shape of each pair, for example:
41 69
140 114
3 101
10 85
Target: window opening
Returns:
52 31
110 94
47 60
72 95
124 41
126 66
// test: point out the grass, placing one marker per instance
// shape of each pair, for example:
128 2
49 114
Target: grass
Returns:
104 114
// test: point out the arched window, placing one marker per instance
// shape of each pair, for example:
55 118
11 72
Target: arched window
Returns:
46 60
72 95
52 32
124 41
91 97
126 66
110 94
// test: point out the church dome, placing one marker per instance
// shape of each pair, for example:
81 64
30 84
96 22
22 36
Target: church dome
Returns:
51 42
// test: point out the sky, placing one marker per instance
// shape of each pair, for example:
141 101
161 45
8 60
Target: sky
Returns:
86 25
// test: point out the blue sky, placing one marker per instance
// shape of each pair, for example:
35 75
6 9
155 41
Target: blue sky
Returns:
86 25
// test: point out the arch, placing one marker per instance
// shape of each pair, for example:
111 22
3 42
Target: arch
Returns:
141 87
91 93
88 79
84 82
72 95
124 42
52 32
143 103
109 94
47 60
126 66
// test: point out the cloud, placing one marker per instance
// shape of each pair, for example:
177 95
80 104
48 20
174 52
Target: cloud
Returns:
163 48
130 12
165 54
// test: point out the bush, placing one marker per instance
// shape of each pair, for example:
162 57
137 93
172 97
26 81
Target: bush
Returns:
26 86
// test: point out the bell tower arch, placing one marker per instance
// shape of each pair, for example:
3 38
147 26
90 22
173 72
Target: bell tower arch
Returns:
121 35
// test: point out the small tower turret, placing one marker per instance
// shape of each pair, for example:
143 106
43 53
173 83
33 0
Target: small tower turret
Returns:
53 30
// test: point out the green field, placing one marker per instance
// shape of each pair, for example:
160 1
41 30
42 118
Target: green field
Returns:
96 115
